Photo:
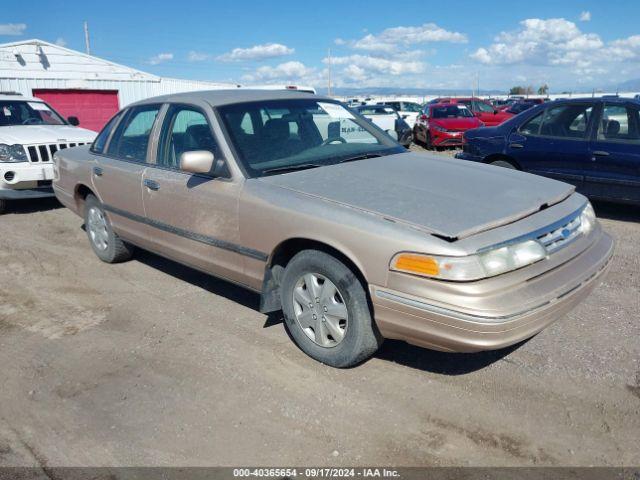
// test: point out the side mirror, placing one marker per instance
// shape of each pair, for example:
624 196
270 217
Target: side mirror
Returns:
495 112
393 134
423 117
404 117
73 121
196 161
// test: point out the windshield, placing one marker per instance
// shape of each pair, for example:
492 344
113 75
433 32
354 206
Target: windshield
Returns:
278 135
450 111
16 112
376 111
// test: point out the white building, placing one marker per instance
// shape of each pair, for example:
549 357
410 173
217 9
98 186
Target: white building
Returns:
74 83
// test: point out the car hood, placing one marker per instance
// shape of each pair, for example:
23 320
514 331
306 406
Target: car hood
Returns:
28 134
459 123
447 197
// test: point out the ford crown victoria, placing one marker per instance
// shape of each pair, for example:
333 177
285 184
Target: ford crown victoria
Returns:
354 238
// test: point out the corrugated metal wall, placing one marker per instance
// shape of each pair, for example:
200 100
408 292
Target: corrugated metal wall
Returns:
128 91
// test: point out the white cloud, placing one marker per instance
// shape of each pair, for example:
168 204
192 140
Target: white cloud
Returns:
370 65
61 42
12 28
292 71
194 56
160 58
257 52
393 39
585 16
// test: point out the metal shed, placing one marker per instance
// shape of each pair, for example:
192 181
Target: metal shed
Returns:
75 83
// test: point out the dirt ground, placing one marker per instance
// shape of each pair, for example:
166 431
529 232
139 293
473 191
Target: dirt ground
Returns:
151 363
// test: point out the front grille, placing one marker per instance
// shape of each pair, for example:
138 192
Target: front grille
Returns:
561 236
44 153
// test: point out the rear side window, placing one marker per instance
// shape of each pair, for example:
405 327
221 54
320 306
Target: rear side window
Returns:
131 138
101 140
484 107
620 124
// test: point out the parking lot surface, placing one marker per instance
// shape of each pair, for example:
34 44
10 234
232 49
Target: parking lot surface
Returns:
151 363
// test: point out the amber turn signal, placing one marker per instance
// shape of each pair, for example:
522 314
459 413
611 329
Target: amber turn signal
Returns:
418 264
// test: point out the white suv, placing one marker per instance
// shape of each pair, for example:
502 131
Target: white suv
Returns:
30 133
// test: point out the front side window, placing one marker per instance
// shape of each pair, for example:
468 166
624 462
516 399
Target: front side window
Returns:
101 140
131 138
532 127
14 113
563 121
274 136
185 129
484 107
620 124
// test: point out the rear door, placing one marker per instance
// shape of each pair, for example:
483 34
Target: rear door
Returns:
117 174
194 217
554 143
615 154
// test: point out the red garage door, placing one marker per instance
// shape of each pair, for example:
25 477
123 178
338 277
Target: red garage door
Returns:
92 107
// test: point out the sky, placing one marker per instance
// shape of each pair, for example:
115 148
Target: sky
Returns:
568 45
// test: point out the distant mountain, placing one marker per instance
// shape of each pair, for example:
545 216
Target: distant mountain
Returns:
418 92
628 86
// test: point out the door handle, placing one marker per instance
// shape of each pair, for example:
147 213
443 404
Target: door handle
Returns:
152 185
97 171
516 145
600 153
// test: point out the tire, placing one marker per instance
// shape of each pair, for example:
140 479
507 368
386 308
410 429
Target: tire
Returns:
427 142
416 140
347 311
103 240
3 205
504 164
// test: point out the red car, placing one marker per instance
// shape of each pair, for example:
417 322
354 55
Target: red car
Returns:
442 125
480 108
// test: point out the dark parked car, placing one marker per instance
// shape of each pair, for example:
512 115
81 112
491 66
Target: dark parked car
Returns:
519 107
591 143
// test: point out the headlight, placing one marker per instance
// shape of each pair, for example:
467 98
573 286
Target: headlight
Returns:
12 153
472 267
587 219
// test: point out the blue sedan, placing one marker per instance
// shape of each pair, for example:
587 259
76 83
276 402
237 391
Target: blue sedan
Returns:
592 143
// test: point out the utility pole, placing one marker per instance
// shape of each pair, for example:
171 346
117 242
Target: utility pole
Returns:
329 79
86 38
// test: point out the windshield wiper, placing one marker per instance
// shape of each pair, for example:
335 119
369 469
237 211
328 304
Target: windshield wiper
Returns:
291 168
364 156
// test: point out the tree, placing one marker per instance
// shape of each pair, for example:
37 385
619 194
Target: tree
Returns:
517 90
543 90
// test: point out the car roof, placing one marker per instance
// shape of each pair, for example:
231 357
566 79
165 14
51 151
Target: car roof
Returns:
226 97
620 100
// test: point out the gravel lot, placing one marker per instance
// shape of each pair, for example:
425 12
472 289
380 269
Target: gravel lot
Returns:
151 363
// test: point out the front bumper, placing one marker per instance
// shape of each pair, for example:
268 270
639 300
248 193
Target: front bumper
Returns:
446 139
25 180
418 321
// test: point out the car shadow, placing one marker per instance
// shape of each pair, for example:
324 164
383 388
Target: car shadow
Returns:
443 363
617 211
27 206
391 350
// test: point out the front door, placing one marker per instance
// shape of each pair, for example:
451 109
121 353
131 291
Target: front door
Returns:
615 154
554 143
117 173
194 217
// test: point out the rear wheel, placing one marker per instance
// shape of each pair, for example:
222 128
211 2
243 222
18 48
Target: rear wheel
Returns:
326 310
503 163
3 206
105 242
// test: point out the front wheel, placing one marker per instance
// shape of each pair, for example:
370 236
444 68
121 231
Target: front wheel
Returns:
326 310
504 164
